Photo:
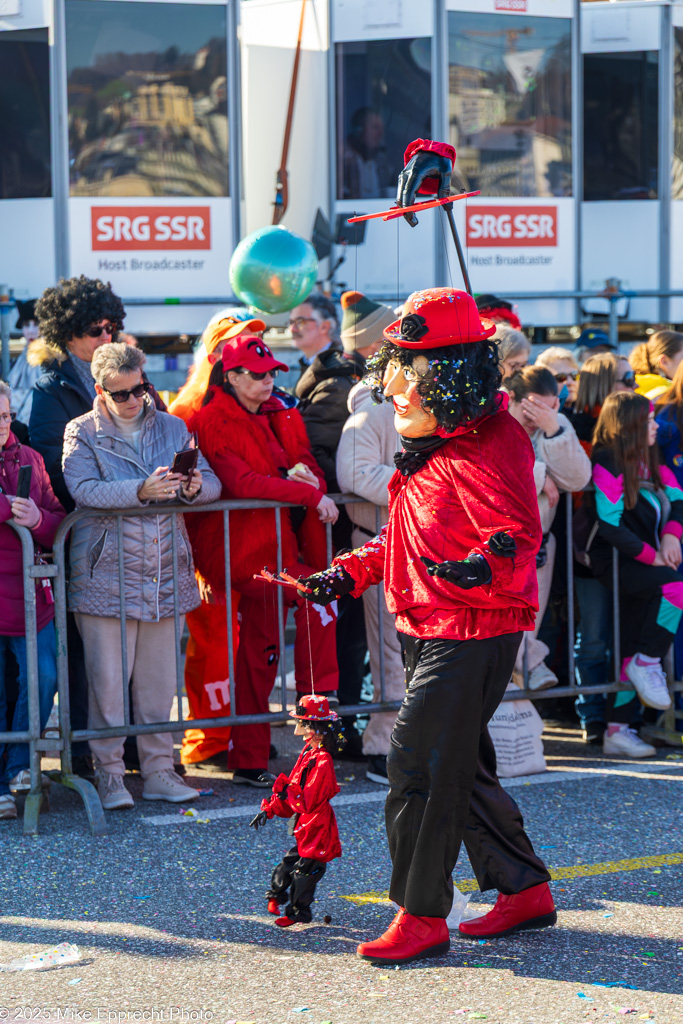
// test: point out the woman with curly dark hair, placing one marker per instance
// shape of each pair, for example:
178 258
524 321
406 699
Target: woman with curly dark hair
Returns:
75 317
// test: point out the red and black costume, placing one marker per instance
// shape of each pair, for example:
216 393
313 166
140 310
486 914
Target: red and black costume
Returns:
458 560
305 795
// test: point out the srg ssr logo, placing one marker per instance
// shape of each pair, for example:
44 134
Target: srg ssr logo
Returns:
512 225
151 227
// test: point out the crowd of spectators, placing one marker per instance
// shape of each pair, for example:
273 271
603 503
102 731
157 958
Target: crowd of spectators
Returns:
605 430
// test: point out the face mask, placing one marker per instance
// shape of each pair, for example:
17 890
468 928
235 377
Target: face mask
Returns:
563 395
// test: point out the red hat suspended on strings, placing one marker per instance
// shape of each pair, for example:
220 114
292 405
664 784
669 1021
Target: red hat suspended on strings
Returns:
436 317
312 708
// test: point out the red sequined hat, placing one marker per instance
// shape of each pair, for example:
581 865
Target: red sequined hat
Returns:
312 708
436 317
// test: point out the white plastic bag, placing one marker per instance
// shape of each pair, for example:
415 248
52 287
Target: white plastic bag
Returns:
58 956
516 729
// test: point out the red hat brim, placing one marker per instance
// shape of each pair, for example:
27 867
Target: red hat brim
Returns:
332 717
259 364
393 333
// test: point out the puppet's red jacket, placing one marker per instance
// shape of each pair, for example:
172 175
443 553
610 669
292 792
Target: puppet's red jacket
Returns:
479 482
307 792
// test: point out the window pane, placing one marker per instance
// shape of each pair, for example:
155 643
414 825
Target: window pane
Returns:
25 115
147 88
677 184
510 111
621 119
383 103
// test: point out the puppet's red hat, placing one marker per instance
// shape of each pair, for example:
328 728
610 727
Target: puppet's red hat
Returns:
436 317
313 708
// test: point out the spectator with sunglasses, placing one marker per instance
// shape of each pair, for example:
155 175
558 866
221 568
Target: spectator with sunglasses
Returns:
118 456
565 370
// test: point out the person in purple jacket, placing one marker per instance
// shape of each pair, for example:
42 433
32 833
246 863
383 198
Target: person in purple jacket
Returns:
41 513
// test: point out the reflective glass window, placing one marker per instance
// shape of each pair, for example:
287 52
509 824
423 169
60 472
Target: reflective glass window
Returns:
147 88
383 102
509 103
621 123
25 115
677 183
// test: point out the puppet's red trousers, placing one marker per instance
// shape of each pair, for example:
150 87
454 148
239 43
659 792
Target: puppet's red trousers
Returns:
206 678
259 653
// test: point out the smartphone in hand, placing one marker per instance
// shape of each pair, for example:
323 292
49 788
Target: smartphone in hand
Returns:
185 462
24 481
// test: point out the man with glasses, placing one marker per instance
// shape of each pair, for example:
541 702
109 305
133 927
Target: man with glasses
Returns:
75 317
328 374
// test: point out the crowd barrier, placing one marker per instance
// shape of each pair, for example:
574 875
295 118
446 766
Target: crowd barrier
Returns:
58 572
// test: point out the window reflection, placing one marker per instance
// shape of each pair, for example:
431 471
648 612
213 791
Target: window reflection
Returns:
621 119
25 115
510 103
677 184
383 102
147 91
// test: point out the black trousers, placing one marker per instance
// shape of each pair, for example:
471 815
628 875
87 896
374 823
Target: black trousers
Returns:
442 775
299 876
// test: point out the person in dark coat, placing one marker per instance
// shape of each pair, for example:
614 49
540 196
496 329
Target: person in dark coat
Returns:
328 374
75 317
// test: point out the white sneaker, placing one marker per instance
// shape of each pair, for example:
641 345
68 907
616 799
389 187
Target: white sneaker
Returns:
166 785
650 683
628 743
21 783
541 678
112 791
8 806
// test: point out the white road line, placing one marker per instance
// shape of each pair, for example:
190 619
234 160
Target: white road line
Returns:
378 796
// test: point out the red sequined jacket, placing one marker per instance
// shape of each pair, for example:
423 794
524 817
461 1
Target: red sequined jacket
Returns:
479 482
307 792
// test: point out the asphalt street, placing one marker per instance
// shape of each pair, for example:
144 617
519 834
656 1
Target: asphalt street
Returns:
169 914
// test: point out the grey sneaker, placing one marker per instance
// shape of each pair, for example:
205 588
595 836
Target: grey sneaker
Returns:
112 791
21 783
628 743
166 785
8 807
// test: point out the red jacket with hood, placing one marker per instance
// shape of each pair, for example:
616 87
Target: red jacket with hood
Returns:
477 483
12 457
246 452
307 792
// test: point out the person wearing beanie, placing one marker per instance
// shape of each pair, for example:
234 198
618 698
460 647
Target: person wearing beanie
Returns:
365 465
458 562
206 658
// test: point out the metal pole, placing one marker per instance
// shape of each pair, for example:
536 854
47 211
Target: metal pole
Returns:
6 307
616 643
280 613
125 675
380 619
448 210
176 616
59 137
571 627
228 609
235 169
62 648
613 320
665 137
577 146
440 125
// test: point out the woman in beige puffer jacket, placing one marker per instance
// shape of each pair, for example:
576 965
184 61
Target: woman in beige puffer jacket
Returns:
118 456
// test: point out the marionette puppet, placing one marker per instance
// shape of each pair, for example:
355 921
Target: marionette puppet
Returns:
305 796
458 562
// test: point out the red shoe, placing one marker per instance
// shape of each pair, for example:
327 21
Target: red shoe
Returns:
273 907
533 908
408 938
285 922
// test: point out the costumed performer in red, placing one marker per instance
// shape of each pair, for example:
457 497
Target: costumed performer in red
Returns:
305 794
458 560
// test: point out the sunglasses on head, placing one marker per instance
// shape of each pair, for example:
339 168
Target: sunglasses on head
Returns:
562 378
96 332
628 380
122 396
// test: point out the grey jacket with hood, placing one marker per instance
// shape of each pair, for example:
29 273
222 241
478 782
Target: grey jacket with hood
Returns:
103 470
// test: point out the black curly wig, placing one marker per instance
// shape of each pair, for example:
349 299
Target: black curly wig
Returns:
68 309
332 733
462 383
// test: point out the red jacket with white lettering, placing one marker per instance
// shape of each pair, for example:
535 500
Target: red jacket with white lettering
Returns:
479 482
307 792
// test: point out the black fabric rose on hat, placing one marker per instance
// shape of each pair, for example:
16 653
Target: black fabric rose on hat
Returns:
414 327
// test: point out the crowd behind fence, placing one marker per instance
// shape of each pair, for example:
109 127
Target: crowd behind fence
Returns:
57 572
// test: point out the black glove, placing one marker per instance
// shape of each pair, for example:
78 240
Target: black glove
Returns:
327 586
471 572
420 167
503 544
260 820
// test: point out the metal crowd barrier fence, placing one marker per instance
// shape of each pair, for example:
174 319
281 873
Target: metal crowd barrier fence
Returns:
58 571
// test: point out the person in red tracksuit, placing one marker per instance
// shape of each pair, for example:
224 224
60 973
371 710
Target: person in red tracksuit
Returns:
305 794
458 560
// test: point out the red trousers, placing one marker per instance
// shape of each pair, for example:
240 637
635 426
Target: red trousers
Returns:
259 653
206 678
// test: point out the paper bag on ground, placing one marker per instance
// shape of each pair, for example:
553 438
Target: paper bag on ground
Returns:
516 729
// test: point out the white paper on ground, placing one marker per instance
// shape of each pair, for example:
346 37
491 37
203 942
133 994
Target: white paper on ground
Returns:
64 953
460 911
